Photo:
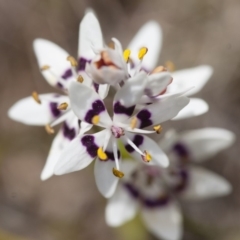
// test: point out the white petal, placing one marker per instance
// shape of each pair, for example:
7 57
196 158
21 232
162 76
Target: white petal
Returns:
105 180
128 96
49 53
90 36
145 143
207 142
197 77
150 36
86 104
120 208
29 112
157 83
164 222
195 108
205 184
66 134
79 153
160 111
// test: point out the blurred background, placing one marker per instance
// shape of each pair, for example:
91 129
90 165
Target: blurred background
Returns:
70 207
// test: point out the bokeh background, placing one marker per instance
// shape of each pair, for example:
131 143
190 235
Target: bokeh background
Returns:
70 207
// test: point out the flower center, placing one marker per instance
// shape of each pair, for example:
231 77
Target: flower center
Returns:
117 132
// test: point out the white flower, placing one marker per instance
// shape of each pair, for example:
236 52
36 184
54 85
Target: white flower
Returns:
52 109
125 125
154 191
150 36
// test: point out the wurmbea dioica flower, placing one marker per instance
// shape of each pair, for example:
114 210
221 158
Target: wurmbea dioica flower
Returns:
150 36
154 190
60 69
125 125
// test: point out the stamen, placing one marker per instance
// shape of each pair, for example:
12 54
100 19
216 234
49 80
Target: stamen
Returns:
157 129
142 52
63 106
117 173
126 55
159 69
133 123
49 129
111 45
72 60
36 97
134 146
101 154
80 79
45 67
146 157
95 119
170 66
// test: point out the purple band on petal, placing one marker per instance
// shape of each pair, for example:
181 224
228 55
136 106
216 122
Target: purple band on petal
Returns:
54 110
59 85
67 74
96 87
68 132
181 150
132 190
145 118
97 108
88 142
120 109
138 140
82 63
184 179
156 202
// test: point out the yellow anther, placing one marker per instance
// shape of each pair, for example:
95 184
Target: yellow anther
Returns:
147 157
45 67
101 154
63 106
117 173
159 69
49 129
80 79
95 119
126 55
170 66
36 97
142 52
111 45
133 122
157 129
72 60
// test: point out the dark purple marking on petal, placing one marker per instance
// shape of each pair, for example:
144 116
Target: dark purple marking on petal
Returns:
59 85
88 142
181 150
82 63
156 202
97 108
54 110
68 132
184 179
67 74
145 118
132 190
120 109
137 140
96 87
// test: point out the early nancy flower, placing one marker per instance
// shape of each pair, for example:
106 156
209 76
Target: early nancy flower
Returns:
125 125
60 69
154 190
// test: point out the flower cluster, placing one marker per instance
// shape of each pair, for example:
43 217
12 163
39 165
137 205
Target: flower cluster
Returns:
145 96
